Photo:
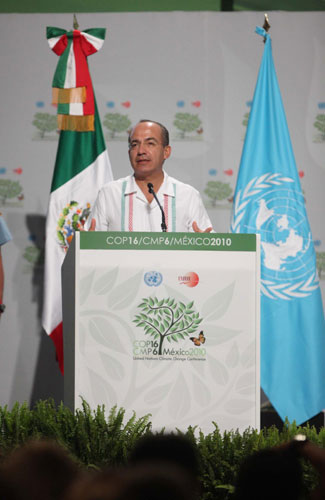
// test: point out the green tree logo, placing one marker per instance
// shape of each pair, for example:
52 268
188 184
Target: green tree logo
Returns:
115 123
45 122
217 191
167 319
9 189
186 122
320 263
320 125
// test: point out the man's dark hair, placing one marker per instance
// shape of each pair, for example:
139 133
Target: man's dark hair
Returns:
164 132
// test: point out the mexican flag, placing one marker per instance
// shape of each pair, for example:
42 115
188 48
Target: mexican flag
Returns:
81 168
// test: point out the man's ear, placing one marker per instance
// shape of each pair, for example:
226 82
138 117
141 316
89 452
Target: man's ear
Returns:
167 152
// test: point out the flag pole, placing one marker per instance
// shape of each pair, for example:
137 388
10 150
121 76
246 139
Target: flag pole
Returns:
75 22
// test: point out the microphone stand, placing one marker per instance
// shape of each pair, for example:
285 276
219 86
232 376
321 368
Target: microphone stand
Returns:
163 220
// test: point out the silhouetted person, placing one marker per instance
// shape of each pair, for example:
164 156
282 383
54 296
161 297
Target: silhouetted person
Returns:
105 484
270 474
316 456
39 470
139 482
168 450
158 481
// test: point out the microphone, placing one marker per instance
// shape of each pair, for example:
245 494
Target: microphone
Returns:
163 220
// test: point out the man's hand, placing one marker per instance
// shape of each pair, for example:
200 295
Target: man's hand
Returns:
196 229
91 228
92 225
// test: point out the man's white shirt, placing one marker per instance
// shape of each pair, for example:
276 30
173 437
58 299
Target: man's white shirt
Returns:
122 206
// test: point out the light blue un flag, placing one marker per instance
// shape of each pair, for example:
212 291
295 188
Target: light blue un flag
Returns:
269 201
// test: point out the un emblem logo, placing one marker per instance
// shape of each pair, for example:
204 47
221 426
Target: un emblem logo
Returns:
153 278
269 205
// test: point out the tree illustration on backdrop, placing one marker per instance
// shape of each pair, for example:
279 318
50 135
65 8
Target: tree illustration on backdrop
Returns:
320 125
186 122
45 122
9 189
167 319
115 123
217 191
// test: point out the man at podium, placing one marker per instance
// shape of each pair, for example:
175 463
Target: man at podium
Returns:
149 199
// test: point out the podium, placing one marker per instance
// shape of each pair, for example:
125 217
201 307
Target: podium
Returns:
165 324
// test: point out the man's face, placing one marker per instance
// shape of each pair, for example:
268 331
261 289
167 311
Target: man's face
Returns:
146 151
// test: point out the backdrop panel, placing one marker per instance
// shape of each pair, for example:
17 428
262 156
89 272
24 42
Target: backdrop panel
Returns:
193 71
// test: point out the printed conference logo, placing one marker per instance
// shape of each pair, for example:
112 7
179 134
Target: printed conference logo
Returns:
171 329
190 279
153 278
71 218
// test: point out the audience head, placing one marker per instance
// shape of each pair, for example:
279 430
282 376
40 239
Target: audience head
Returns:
39 470
168 451
167 448
156 482
270 474
105 484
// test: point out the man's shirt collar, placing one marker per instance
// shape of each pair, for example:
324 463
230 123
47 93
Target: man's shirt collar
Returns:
165 188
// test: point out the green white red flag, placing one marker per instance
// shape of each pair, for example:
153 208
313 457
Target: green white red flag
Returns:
72 87
82 166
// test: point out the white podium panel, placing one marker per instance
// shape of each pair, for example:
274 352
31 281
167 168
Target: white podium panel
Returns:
166 324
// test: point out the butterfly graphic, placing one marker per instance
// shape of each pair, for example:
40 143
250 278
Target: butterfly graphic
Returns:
198 340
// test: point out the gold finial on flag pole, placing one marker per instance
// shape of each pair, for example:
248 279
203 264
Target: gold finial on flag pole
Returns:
266 25
75 22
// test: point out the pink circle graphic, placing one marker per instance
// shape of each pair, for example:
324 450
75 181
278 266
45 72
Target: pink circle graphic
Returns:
193 279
